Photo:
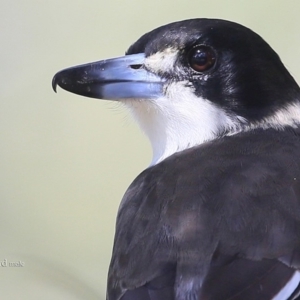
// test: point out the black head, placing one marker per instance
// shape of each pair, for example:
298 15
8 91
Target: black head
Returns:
246 75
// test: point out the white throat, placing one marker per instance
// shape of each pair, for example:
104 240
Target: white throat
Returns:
179 120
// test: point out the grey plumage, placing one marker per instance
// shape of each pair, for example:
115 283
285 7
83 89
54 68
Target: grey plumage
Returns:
244 203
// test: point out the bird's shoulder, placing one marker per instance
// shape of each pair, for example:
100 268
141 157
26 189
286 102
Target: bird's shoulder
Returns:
188 208
257 173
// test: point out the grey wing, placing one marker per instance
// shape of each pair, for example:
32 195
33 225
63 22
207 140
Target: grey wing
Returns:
232 232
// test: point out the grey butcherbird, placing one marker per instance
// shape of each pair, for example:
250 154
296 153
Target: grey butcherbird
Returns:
216 216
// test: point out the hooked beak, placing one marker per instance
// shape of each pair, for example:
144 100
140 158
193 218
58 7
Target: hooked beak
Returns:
112 79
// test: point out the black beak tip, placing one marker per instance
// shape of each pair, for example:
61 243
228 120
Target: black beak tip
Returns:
55 83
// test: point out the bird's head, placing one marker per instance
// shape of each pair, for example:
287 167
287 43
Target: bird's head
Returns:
193 81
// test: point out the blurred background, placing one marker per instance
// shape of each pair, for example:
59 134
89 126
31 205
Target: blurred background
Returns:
67 160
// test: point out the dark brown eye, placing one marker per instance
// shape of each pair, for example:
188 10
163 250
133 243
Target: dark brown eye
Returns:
201 58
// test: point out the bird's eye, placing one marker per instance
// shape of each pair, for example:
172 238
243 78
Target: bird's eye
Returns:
201 58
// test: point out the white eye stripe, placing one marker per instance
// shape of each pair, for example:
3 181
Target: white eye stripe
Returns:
163 61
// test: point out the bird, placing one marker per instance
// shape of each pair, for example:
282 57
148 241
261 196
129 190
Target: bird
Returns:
216 214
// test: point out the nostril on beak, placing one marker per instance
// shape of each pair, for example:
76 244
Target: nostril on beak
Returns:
136 67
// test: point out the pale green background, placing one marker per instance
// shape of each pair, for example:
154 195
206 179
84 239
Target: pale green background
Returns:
67 160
